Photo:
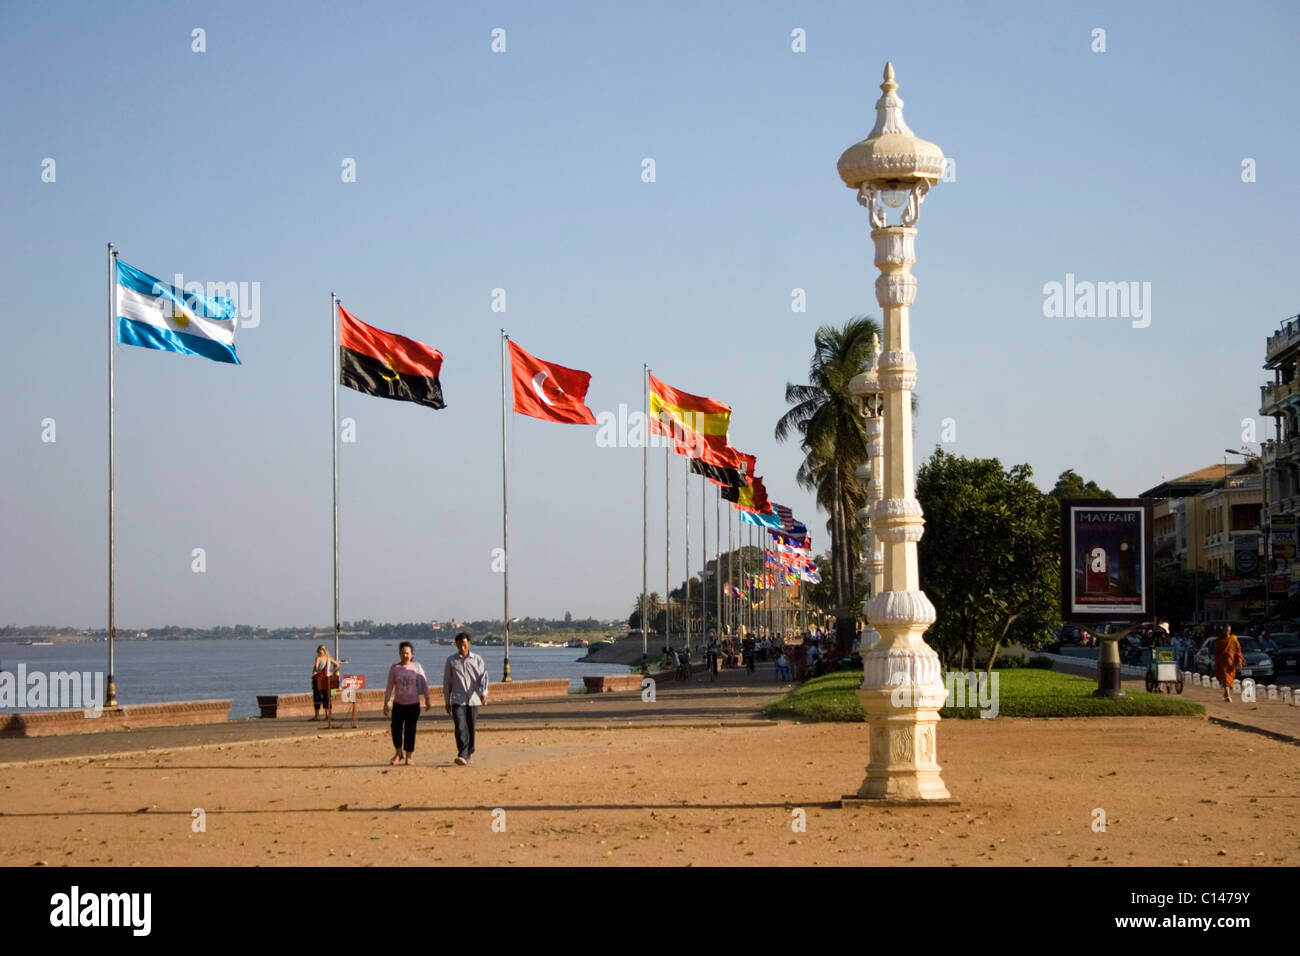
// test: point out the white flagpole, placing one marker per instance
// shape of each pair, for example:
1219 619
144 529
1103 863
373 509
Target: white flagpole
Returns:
686 602
334 433
731 573
717 560
110 698
668 579
505 520
704 560
645 522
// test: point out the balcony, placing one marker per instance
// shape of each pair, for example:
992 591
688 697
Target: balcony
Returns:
1285 450
1274 394
1285 337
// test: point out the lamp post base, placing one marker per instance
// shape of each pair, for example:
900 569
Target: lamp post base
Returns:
901 694
854 802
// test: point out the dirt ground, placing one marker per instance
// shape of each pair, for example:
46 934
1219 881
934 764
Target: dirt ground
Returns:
1173 791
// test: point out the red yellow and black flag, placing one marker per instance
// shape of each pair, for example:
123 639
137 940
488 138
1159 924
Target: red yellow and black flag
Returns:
387 365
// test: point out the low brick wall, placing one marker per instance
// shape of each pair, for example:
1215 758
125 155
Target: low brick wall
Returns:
372 700
612 683
45 723
617 683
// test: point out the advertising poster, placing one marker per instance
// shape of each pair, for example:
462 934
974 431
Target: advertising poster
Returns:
1106 564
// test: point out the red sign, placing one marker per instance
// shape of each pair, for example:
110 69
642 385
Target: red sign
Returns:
351 684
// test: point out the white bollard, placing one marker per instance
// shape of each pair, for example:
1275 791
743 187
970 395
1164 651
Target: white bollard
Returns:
1286 695
1214 682
1272 691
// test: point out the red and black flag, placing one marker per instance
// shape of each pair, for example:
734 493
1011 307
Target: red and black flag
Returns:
721 475
388 365
548 391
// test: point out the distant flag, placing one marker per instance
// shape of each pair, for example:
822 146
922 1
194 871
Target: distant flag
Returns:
726 477
793 540
763 521
386 364
696 424
154 315
753 497
788 524
548 391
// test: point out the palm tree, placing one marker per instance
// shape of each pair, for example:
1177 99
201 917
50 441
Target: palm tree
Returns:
834 441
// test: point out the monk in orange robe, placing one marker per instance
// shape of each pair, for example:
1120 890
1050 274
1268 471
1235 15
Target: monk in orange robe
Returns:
1227 658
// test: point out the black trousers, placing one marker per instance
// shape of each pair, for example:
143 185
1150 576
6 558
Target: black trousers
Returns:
463 716
404 718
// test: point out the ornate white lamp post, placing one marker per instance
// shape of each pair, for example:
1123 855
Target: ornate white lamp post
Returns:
902 687
866 387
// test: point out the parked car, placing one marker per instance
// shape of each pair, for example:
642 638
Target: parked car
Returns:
1258 663
1286 657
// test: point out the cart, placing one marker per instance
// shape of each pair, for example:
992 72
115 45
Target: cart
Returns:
1163 674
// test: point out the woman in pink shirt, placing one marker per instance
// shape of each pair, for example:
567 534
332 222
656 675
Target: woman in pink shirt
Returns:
406 685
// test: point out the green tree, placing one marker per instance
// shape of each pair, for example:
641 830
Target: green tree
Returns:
1071 485
830 425
654 612
989 559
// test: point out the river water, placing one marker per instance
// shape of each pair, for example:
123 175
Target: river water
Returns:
155 671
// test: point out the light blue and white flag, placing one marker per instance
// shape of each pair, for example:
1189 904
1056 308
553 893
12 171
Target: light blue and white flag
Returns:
771 521
154 315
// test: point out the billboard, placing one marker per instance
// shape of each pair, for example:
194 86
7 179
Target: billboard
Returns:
1106 566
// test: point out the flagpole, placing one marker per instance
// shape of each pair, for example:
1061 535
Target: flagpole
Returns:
505 515
731 573
668 587
334 433
743 534
704 559
110 698
686 603
753 604
717 543
802 619
645 522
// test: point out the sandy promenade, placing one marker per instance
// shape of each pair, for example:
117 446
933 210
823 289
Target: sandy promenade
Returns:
1174 791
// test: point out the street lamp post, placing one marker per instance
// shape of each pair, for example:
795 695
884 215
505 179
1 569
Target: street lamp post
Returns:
902 687
866 386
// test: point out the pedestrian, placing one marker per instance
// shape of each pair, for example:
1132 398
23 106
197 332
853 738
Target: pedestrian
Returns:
1227 658
322 670
782 669
748 651
464 690
406 685
711 656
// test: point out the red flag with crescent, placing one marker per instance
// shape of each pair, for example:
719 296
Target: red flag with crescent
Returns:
548 391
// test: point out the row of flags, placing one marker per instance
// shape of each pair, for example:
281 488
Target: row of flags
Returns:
153 314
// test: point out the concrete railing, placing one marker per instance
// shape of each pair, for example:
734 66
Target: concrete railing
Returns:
44 723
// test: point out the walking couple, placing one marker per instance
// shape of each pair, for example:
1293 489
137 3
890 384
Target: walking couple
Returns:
464 690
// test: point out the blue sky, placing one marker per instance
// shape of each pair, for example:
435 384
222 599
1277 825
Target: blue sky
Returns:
521 170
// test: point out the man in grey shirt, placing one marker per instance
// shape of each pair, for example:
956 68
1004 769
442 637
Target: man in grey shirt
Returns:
464 690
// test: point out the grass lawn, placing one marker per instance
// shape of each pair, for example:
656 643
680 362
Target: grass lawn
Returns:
1022 692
